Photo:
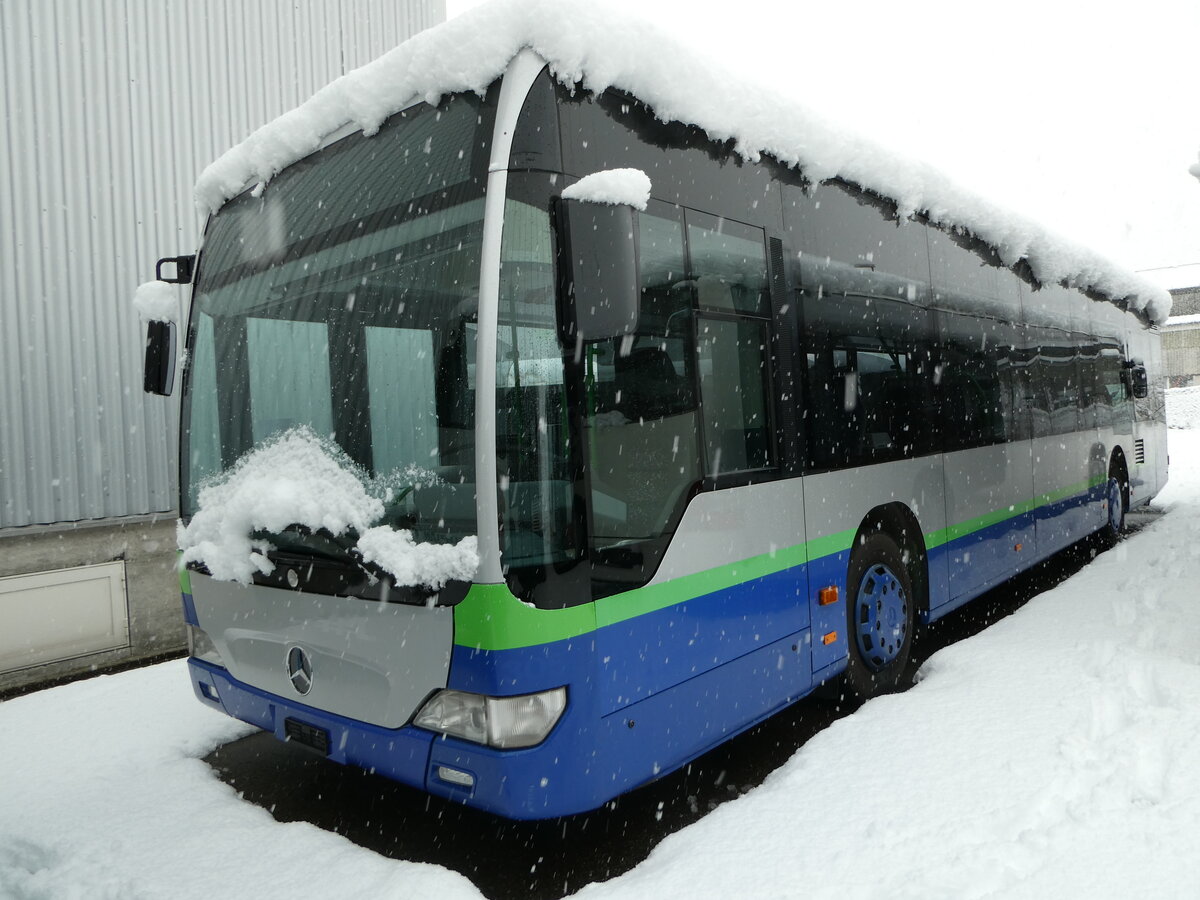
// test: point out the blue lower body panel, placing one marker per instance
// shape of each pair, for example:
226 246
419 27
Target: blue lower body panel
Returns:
986 558
400 754
591 757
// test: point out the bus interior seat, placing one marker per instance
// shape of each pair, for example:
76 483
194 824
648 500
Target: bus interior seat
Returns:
648 384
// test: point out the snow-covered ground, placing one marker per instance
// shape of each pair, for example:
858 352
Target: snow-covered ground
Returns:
1055 754
1183 408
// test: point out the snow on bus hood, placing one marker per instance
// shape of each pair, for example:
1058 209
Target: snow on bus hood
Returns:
296 478
585 42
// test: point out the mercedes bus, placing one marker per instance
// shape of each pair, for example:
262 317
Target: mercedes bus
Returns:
712 448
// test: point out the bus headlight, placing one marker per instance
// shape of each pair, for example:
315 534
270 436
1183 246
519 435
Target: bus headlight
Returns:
504 722
201 647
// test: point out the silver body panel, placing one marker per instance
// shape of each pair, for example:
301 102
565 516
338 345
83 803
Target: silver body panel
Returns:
985 480
727 526
839 501
371 661
722 527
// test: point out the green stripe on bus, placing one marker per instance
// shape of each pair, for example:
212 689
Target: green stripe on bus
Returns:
995 517
185 578
491 618
653 597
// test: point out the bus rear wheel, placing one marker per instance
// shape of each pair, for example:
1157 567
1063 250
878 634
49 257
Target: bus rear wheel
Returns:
1116 504
881 616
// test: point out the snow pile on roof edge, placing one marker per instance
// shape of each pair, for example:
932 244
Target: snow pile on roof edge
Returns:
603 47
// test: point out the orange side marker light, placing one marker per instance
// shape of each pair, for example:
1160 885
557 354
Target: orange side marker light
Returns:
829 638
1019 547
828 595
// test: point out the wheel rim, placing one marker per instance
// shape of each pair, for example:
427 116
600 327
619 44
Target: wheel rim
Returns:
881 611
1116 506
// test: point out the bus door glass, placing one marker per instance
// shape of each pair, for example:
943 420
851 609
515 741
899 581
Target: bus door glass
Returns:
640 417
729 268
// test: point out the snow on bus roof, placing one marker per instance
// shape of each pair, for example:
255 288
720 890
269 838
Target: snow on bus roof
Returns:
600 47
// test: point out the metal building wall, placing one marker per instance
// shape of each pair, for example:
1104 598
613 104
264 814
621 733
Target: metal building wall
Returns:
1181 349
110 109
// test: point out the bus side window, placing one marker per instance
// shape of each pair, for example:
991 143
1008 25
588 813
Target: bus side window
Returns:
1113 385
1060 374
867 393
728 264
729 268
733 387
976 393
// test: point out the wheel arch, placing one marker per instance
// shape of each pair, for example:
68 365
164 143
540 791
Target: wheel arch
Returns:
898 522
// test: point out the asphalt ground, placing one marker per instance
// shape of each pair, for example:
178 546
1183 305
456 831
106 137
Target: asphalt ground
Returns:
549 859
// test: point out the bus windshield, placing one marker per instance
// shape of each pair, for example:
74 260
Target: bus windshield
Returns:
343 298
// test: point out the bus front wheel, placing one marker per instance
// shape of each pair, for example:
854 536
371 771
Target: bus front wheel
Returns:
881 616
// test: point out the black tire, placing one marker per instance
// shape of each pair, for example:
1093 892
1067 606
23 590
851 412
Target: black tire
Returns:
1117 504
880 646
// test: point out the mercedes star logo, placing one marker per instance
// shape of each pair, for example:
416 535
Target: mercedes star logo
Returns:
299 668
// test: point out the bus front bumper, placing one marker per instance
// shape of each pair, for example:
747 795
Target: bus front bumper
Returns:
516 784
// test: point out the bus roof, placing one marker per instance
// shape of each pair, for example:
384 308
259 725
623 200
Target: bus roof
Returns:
600 47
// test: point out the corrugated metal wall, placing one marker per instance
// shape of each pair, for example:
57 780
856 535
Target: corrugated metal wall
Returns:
110 110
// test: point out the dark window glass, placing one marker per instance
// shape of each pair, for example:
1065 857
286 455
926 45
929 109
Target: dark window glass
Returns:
685 166
975 382
1057 380
533 445
535 141
729 264
641 423
733 364
839 222
1095 409
1031 395
867 390
969 277
1111 374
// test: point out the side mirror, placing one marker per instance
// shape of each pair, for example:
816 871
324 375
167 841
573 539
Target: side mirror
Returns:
179 269
1140 382
599 287
159 374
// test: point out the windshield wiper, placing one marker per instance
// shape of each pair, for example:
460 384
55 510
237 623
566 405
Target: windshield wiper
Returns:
320 544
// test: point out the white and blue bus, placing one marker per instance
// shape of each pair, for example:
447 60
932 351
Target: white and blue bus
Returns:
716 452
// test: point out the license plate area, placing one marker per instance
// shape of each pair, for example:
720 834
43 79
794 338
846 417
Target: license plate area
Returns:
309 736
